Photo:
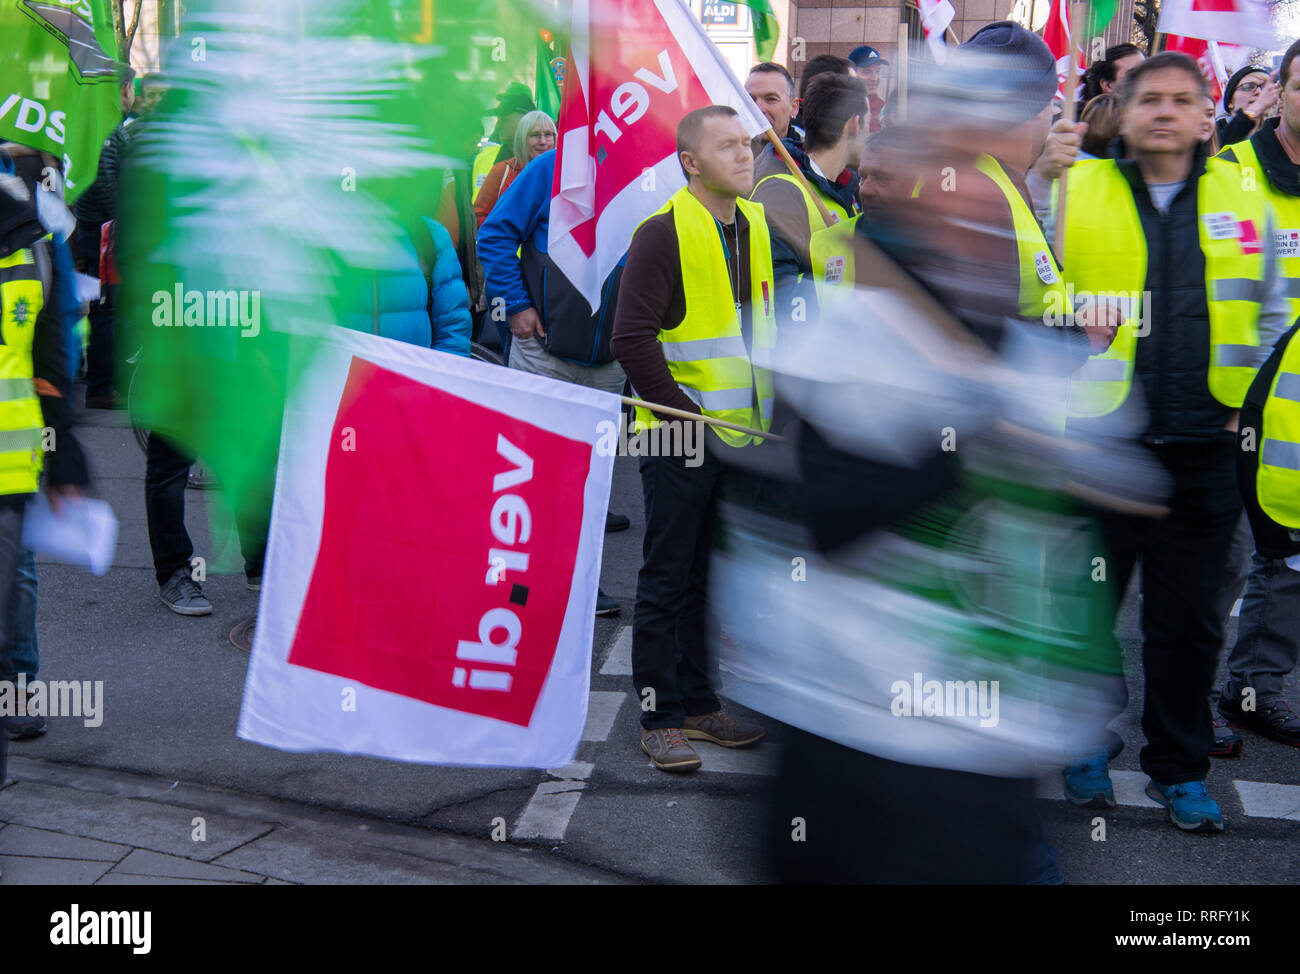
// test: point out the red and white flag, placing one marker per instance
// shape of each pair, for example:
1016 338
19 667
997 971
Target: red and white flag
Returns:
637 67
433 560
1056 34
1207 58
1234 21
936 15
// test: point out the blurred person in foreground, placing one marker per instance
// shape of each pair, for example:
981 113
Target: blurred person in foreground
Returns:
944 650
1181 243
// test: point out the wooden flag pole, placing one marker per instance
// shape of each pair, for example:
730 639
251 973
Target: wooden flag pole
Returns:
683 414
1063 181
901 92
797 173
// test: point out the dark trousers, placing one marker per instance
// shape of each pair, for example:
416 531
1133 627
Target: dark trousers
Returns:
11 554
101 349
841 816
165 477
1184 564
670 641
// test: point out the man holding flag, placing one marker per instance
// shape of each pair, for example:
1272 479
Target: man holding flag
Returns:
694 329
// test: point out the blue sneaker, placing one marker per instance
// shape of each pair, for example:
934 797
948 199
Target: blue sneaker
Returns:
1088 785
1190 806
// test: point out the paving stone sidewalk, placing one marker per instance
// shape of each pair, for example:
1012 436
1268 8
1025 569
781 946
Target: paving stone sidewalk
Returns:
61 824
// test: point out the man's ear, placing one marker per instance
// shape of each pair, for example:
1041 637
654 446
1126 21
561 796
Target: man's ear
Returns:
687 159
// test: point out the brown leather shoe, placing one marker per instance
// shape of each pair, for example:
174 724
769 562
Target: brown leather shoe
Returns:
720 727
668 749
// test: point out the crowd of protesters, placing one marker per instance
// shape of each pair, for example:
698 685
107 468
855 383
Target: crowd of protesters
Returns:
957 207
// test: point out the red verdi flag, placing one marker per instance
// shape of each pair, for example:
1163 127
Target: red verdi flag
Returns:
637 67
433 561
1233 21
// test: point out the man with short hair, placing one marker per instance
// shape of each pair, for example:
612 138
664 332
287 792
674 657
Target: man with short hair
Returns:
874 70
694 327
772 89
1181 238
1268 633
835 126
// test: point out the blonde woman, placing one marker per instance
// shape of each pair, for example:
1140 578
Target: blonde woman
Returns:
534 135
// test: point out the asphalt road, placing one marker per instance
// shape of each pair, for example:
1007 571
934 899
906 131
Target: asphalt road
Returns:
172 695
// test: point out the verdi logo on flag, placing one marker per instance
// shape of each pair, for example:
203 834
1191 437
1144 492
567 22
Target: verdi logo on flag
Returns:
433 560
58 81
637 68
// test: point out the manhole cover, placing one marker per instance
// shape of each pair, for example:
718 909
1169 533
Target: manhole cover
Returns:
241 637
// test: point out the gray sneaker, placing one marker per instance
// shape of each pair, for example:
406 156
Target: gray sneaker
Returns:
182 595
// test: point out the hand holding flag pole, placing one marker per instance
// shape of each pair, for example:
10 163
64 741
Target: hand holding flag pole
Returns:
1071 86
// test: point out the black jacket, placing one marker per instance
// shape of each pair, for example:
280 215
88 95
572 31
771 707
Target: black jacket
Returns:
1172 365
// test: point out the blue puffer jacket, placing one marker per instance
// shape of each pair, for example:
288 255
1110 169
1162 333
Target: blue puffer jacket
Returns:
394 302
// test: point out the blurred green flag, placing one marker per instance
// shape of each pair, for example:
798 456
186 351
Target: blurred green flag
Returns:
267 197
1100 15
766 29
547 89
59 87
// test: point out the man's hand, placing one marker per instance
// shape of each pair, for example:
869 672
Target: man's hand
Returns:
1099 321
57 495
526 324
1061 151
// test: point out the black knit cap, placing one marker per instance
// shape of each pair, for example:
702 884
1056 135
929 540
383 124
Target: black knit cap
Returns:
1029 80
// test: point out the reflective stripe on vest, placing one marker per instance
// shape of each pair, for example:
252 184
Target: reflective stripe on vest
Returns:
706 352
1106 256
1287 208
830 251
1041 288
1277 484
22 297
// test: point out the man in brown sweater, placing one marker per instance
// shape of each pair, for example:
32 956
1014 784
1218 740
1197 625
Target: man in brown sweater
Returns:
693 327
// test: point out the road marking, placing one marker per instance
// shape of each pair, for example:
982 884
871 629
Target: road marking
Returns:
729 760
602 709
619 660
1261 799
1236 609
549 810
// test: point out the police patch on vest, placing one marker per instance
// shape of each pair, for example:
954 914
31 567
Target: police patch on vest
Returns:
834 270
1043 264
1287 243
1222 226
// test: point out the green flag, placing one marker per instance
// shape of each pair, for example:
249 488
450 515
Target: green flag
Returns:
274 189
766 29
59 88
1101 13
548 91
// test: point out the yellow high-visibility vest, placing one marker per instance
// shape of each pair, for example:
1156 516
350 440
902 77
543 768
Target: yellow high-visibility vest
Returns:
830 251
706 353
839 215
1042 291
1287 210
1106 255
22 296
1277 485
483 163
